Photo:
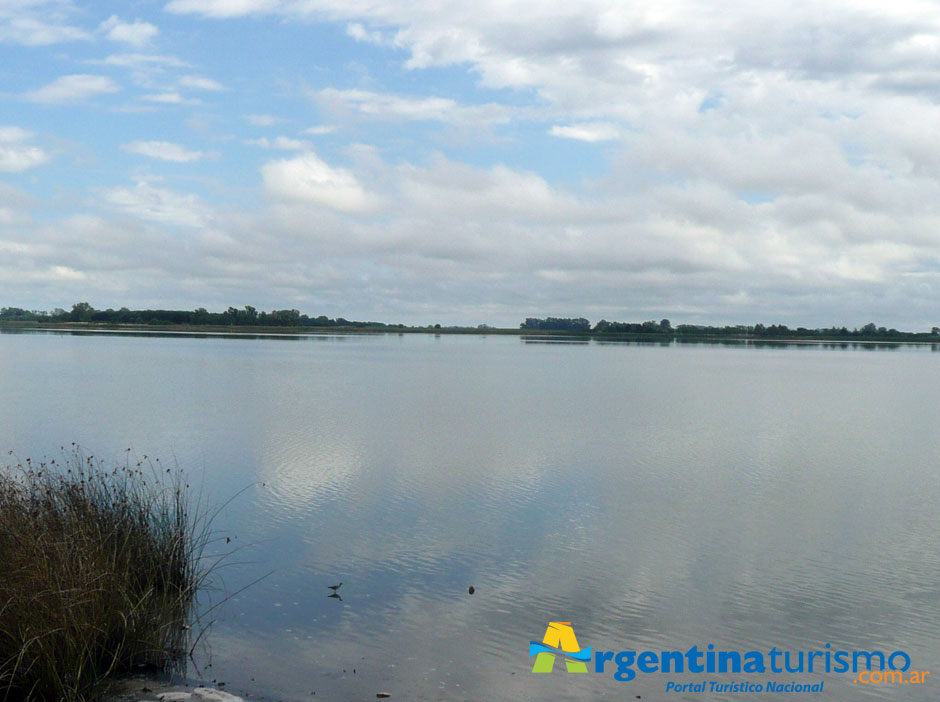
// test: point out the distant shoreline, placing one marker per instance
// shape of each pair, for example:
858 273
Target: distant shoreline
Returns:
586 335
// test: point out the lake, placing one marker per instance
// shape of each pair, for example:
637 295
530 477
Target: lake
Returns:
656 497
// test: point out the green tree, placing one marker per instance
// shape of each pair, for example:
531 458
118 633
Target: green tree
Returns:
81 312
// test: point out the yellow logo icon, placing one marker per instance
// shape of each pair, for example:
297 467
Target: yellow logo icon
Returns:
559 640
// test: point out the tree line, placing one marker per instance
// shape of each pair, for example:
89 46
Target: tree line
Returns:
250 316
246 316
664 328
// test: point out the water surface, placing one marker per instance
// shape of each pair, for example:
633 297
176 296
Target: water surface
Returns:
656 497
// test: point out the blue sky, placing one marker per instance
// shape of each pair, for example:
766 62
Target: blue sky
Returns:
457 163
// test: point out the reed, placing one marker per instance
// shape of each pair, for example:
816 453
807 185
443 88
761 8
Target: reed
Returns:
99 569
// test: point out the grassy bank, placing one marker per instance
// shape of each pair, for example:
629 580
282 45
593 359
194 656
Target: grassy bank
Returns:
99 573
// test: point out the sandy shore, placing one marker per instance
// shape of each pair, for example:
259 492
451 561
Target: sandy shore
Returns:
142 689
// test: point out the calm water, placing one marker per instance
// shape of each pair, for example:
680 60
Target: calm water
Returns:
654 497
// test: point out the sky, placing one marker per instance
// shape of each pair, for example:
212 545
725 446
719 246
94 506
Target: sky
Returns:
450 162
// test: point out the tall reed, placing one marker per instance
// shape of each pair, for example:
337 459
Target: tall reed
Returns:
99 569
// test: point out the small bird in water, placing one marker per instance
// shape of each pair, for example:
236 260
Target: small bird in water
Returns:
472 590
334 588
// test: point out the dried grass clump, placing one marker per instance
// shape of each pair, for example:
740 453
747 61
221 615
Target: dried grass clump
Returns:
99 570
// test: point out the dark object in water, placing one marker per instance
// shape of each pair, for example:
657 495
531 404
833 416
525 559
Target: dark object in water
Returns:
472 590
334 588
336 596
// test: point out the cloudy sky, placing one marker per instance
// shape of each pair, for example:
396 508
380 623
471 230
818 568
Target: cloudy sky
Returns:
455 162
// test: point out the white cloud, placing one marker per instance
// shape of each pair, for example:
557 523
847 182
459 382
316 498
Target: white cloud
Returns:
766 158
158 205
320 130
222 8
165 151
456 189
200 83
16 154
386 106
587 131
281 142
263 120
8 216
360 33
66 273
13 202
73 88
138 61
308 179
171 98
136 33
38 23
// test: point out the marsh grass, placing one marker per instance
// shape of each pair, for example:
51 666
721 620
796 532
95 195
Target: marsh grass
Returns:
99 569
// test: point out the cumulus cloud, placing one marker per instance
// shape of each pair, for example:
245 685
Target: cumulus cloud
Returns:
159 205
588 131
73 88
200 83
13 204
223 8
775 162
16 153
164 151
601 57
171 98
38 23
140 60
360 33
308 179
281 142
455 190
386 106
136 33
506 235
9 217
263 120
460 243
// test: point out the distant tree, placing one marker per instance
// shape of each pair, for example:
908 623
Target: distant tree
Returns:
665 324
935 331
231 315
81 312
285 318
